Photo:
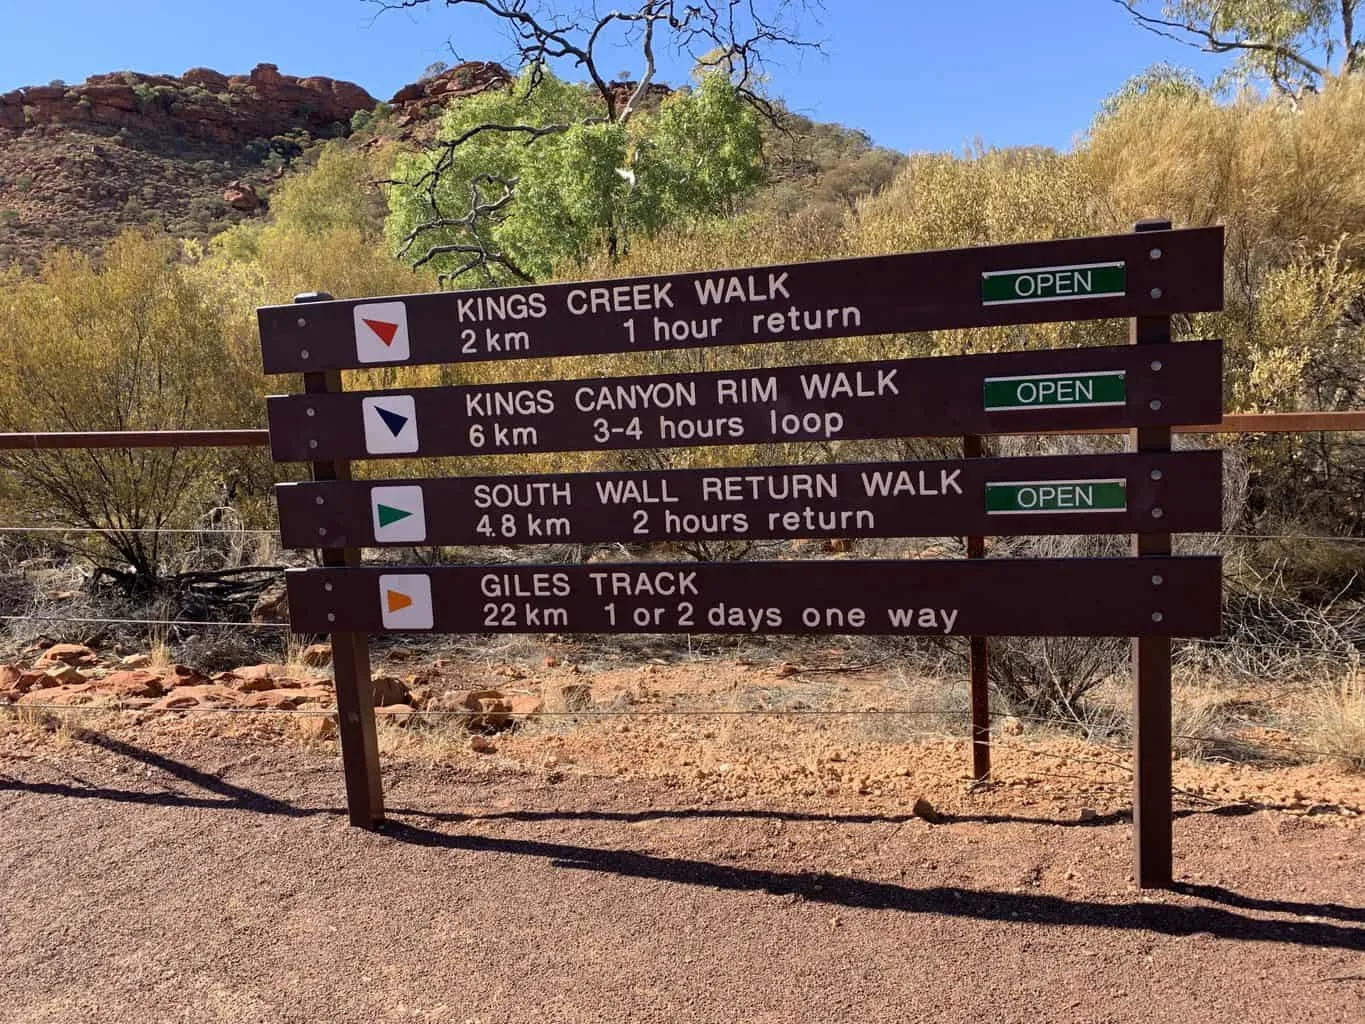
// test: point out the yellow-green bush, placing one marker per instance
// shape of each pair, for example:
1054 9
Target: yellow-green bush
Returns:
118 343
131 344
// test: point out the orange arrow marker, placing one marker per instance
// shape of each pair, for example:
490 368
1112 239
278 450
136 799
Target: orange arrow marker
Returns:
396 601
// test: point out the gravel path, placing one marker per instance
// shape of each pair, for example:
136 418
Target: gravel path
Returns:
216 881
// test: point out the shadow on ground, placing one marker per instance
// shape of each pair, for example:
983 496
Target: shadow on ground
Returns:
816 887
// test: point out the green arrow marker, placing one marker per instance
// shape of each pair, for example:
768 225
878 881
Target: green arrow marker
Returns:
388 515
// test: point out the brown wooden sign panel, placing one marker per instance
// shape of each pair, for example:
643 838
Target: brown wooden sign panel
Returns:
1001 393
1035 282
996 597
1063 494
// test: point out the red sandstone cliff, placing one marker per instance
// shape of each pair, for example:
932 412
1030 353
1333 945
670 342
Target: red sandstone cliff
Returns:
201 104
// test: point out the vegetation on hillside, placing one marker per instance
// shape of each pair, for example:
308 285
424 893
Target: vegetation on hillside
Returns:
161 333
570 182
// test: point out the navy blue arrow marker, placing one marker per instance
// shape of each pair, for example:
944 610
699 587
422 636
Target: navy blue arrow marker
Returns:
392 420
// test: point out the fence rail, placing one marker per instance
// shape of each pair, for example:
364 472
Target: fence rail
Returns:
1152 794
1237 423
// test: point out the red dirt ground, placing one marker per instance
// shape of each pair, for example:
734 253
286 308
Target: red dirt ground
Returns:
169 872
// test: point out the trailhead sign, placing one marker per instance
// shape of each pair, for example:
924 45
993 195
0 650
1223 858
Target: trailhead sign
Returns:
1149 492
1050 494
1081 596
1033 282
1007 392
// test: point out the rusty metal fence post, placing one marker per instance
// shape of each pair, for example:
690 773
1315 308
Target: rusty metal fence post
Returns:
350 652
1152 657
979 653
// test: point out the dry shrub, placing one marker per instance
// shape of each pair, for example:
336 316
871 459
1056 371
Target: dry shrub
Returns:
1273 175
1206 718
1050 677
1336 721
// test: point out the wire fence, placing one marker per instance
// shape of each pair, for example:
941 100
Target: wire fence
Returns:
941 713
141 531
1026 758
1270 423
196 623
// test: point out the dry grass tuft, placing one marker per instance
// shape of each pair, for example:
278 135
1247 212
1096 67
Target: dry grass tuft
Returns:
159 650
1336 720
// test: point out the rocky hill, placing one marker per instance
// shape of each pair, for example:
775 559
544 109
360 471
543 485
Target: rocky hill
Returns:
77 163
198 152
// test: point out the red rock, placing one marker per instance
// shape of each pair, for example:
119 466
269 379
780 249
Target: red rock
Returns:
259 671
622 92
316 727
210 694
28 680
467 79
10 676
176 702
242 197
206 78
387 690
65 675
252 678
398 714
266 75
405 95
68 654
482 745
183 675
136 661
203 104
280 700
43 93
62 695
525 704
136 683
110 96
480 709
493 714
924 809
450 700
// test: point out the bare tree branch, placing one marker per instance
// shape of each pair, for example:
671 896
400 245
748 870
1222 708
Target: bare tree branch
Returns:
733 36
1353 48
1206 39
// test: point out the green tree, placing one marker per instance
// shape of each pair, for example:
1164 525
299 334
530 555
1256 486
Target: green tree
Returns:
1296 45
550 173
543 177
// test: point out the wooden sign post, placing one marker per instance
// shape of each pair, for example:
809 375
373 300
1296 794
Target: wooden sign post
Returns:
350 650
1152 816
1150 492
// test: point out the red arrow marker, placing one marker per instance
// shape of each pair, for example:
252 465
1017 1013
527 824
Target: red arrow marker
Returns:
384 329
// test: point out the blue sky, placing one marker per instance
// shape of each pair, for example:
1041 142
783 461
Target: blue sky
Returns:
915 74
